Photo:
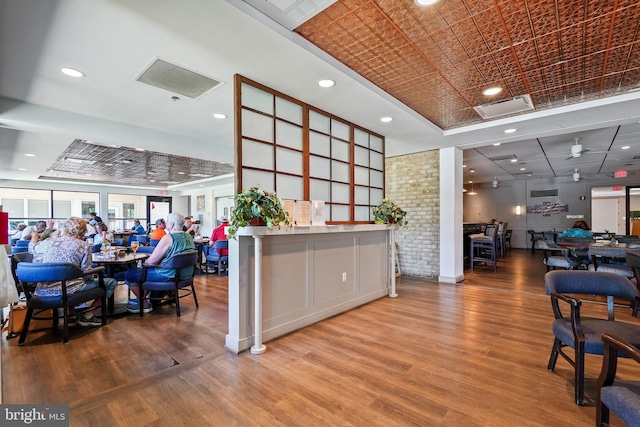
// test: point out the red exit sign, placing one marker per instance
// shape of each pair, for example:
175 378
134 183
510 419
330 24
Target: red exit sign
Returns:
616 188
620 174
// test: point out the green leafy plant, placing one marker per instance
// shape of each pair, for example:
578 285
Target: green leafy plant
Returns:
387 212
256 203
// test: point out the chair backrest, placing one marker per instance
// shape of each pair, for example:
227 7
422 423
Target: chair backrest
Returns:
154 242
140 238
549 236
17 259
633 259
491 229
118 241
217 247
590 283
181 260
47 272
96 248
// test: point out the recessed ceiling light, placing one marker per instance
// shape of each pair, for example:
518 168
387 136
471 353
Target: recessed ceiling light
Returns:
523 169
514 160
495 144
108 164
386 119
29 155
72 72
492 91
626 147
326 83
126 162
512 130
464 166
423 3
140 149
219 116
180 173
21 169
472 170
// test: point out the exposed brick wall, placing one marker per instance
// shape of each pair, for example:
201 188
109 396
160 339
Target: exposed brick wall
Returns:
413 182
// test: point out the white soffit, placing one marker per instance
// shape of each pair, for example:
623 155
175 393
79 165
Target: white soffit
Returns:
505 106
290 13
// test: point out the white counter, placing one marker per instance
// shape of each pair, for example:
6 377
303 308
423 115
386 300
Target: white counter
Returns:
308 274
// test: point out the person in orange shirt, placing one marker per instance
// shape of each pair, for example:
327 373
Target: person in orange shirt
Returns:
159 231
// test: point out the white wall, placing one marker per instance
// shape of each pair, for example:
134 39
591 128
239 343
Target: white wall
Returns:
212 189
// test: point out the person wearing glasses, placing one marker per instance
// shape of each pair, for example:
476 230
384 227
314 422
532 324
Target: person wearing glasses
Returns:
160 231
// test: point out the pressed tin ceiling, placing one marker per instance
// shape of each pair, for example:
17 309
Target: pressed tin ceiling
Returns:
84 161
438 59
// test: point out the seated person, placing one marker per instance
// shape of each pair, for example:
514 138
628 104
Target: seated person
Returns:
94 219
103 234
50 231
17 234
175 242
70 247
218 234
578 229
189 226
38 228
137 228
159 231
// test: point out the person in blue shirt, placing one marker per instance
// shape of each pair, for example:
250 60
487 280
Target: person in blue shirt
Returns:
578 229
137 228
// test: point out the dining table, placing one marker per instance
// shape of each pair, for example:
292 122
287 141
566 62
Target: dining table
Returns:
200 243
118 259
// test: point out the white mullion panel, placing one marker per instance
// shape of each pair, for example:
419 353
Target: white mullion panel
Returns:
289 111
361 156
375 143
289 187
377 161
319 122
319 190
339 171
340 129
362 213
257 155
257 99
288 135
376 196
319 144
289 161
340 193
339 150
361 138
361 175
361 195
257 126
377 179
252 177
340 213
319 167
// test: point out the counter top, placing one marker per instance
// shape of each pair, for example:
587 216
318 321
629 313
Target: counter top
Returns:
311 229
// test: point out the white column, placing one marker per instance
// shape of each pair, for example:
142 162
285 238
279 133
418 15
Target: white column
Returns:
392 239
257 347
451 208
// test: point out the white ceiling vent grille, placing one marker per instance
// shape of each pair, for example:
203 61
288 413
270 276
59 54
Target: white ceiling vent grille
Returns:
503 107
177 79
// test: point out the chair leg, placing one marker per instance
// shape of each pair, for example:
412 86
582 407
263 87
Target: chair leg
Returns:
195 298
602 415
554 354
177 298
579 380
25 326
104 312
65 325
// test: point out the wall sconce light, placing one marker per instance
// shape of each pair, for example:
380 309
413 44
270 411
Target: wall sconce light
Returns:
518 210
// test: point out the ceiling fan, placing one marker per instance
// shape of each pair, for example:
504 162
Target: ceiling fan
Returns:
577 150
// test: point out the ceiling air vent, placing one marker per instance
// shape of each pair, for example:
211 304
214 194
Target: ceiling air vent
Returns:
544 193
177 79
503 107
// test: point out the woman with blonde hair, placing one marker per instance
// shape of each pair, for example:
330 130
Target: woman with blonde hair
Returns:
70 247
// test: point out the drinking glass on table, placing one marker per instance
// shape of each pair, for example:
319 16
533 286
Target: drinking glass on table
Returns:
134 246
106 246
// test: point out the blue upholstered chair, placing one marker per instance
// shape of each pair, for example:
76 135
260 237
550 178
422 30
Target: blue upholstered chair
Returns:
484 248
153 242
214 258
583 334
173 286
557 257
613 394
20 246
31 273
141 238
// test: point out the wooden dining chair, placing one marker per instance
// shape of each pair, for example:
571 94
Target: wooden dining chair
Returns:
581 333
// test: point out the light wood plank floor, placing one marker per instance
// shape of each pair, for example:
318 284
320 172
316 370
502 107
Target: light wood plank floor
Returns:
472 354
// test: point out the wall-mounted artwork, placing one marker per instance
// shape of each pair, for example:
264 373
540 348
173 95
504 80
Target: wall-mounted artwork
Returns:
200 203
547 208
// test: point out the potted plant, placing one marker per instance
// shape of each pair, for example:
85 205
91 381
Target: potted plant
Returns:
387 212
253 205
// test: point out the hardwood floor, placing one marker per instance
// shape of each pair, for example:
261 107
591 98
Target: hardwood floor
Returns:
472 354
